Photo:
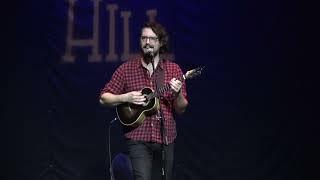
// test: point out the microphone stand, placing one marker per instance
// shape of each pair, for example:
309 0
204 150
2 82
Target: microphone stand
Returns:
109 149
162 129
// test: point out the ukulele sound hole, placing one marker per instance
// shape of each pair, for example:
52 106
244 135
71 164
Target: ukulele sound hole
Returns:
146 102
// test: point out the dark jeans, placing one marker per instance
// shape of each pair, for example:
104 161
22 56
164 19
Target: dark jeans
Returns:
146 160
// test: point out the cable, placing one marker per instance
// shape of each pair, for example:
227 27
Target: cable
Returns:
109 149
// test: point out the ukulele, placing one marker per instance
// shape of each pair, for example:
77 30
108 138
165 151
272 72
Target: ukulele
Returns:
133 115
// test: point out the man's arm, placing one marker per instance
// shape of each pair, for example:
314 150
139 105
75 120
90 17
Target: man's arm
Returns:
180 103
110 99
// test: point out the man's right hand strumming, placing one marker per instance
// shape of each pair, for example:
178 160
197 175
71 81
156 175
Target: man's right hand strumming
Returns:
135 97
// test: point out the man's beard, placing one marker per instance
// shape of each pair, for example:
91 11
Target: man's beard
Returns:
150 54
148 57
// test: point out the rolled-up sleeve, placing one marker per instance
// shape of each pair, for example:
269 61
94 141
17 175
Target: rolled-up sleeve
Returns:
117 83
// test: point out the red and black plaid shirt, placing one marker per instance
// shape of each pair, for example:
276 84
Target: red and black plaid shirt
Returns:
132 76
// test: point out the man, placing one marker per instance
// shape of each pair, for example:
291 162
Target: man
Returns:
146 141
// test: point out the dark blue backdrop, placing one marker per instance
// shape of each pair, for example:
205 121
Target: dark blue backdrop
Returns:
251 113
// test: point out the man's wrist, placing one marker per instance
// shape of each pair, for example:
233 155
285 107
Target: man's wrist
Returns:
123 98
176 94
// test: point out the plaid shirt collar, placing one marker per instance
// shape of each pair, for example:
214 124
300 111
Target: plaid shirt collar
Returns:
139 63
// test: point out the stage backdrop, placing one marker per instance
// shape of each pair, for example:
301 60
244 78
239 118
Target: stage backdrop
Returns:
248 116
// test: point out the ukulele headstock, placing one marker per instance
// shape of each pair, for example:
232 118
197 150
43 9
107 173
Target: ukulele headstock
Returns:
193 72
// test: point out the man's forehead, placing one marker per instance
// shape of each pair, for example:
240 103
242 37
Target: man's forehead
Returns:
147 31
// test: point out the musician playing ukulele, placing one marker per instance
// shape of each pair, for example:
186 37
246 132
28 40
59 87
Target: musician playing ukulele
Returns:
133 90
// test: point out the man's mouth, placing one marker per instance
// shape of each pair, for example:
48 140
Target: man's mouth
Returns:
148 47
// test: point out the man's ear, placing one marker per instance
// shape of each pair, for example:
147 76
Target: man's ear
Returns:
161 43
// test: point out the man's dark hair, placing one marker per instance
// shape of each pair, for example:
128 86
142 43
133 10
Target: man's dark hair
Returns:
161 32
